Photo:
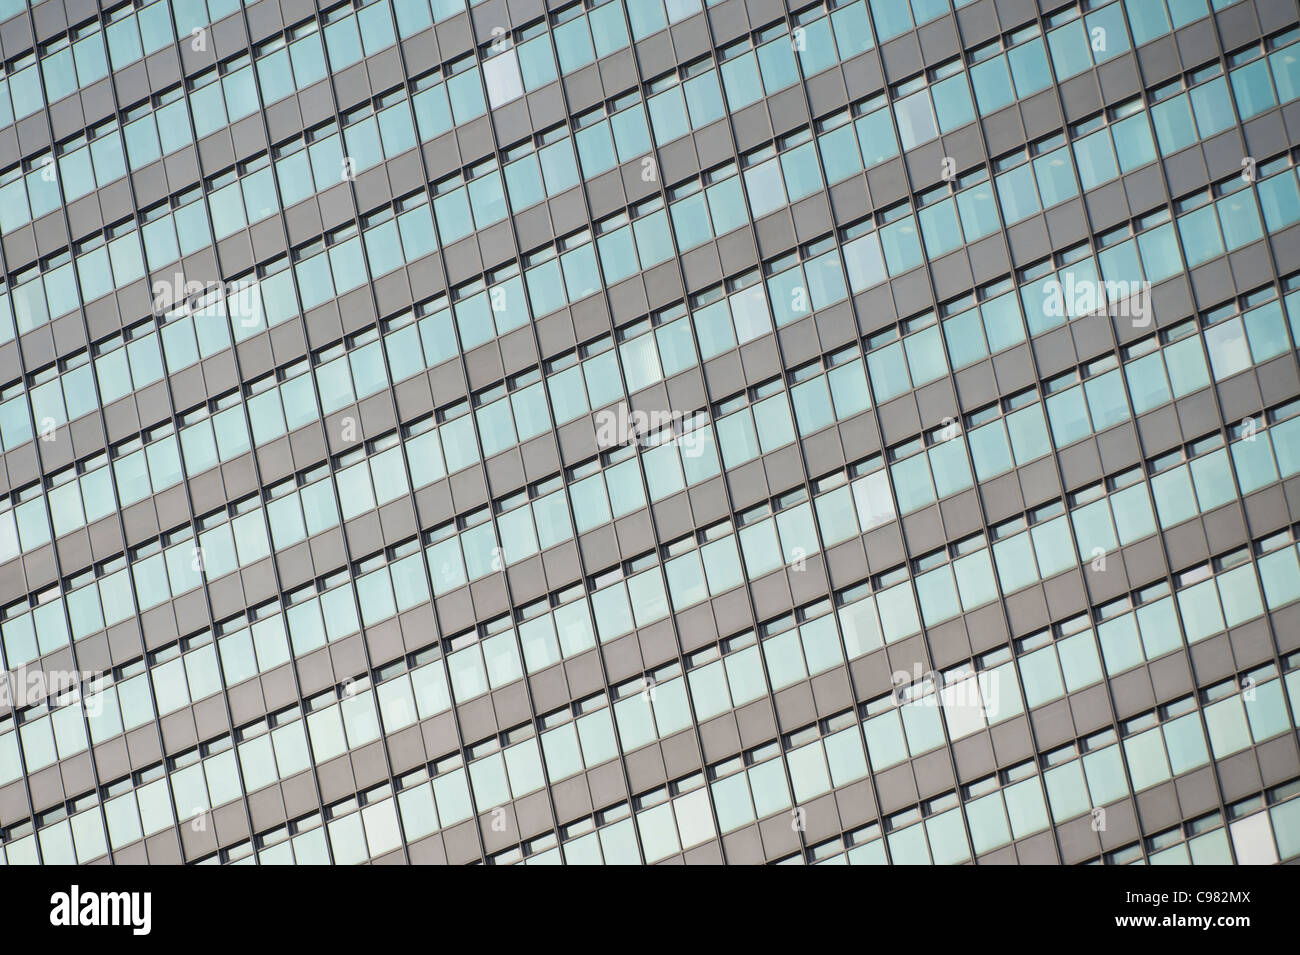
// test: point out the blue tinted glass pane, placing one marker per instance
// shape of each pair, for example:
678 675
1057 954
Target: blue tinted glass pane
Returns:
1147 20
1016 193
939 228
901 246
876 137
1029 67
596 149
1069 49
1160 257
952 103
740 78
1175 128
839 152
1200 234
1253 89
1133 142
891 17
573 44
1212 106
916 122
815 45
852 29
864 261
992 82
1055 174
765 187
1095 159
1240 219
703 98
801 172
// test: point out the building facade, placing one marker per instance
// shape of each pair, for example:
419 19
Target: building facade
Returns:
639 431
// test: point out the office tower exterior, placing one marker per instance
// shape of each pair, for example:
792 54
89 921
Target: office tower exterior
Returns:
639 431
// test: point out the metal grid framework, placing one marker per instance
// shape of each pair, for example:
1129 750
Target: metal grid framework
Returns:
636 431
